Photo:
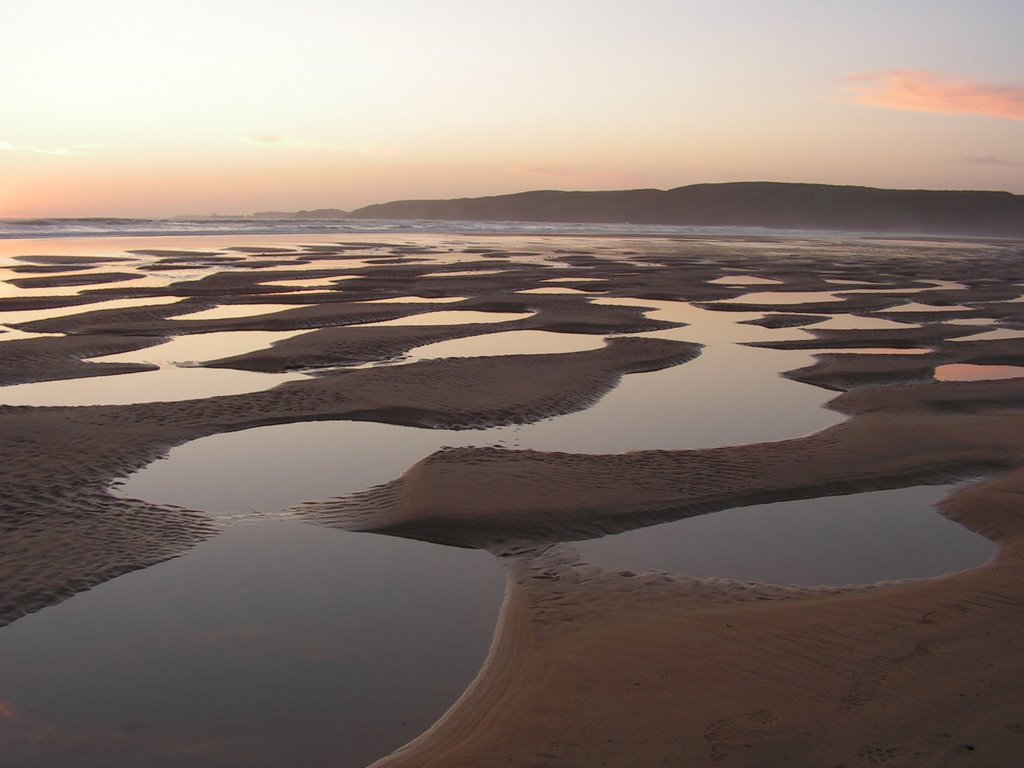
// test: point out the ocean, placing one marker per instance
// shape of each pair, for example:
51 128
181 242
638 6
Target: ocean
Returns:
245 225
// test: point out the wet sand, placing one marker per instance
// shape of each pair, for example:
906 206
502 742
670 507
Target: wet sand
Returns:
589 666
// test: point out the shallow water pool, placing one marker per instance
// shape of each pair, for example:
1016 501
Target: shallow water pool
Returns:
275 643
836 540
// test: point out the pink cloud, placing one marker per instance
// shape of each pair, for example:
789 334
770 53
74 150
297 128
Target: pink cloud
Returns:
75 149
919 91
7 710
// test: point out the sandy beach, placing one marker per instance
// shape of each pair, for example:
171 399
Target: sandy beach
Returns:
589 665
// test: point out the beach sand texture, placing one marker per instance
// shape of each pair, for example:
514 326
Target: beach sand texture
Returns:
589 666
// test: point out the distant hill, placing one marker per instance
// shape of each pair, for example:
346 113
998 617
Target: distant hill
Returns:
321 213
757 204
317 213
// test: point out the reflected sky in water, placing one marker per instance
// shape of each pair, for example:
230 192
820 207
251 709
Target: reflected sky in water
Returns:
273 644
279 643
509 343
661 409
855 323
416 299
857 539
783 297
972 372
201 347
745 280
275 467
312 281
165 385
998 334
230 311
556 291
453 317
916 306
25 316
465 273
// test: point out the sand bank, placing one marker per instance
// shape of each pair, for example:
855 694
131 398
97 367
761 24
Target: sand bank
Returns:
589 666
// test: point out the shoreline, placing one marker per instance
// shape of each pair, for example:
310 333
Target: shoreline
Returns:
449 227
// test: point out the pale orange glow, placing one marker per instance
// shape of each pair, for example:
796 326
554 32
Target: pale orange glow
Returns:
972 372
340 105
918 91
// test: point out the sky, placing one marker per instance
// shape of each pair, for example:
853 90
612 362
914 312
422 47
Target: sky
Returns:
141 108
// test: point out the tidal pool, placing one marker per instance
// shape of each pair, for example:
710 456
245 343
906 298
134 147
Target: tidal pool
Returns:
231 311
997 334
200 347
783 297
281 643
916 306
509 343
274 467
556 291
746 280
9 317
857 323
417 299
664 409
300 282
275 643
661 409
836 540
454 317
973 372
10 334
164 385
465 273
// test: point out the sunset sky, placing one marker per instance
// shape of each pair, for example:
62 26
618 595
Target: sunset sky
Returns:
139 108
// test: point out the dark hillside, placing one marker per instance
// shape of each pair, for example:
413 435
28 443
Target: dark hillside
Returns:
763 204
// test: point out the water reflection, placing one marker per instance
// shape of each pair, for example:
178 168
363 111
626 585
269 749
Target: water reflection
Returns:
465 273
783 297
8 290
837 540
273 644
509 343
746 280
230 311
454 317
661 409
556 291
25 316
972 372
11 334
916 306
310 282
998 334
417 299
309 460
277 642
856 323
200 347
164 385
